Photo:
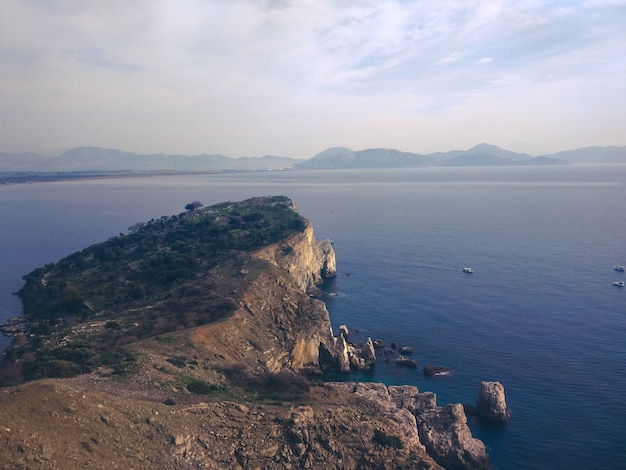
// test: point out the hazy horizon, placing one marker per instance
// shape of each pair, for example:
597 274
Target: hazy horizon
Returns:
278 77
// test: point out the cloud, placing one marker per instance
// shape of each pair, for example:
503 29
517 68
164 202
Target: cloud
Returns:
289 77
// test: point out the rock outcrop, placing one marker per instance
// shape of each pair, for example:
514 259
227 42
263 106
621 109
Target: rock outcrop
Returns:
278 324
306 260
448 440
441 431
491 402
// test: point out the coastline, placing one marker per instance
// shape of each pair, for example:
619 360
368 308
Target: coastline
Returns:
18 177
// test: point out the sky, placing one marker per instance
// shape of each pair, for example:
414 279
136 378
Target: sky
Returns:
294 77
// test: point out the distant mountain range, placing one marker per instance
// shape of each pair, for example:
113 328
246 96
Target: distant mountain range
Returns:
480 155
101 159
83 159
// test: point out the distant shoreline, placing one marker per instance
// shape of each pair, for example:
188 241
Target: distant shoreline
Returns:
7 178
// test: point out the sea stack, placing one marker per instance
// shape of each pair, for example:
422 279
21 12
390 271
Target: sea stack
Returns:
491 403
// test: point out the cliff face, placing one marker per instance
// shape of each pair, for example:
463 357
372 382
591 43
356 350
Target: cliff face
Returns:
278 325
307 261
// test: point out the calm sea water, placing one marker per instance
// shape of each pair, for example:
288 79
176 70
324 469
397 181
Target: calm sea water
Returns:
540 313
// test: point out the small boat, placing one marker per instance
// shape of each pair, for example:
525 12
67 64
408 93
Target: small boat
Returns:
620 268
619 283
468 270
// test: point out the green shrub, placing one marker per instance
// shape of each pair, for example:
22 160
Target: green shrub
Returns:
200 387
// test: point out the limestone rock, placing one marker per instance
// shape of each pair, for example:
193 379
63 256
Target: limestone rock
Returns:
374 392
449 441
341 354
278 325
367 351
308 261
491 403
378 396
409 397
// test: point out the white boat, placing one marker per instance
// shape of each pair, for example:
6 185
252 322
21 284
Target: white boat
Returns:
468 270
620 268
619 283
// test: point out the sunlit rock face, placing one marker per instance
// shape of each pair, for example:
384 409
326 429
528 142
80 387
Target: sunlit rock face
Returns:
491 402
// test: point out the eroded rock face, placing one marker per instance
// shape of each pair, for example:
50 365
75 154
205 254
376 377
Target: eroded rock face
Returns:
409 397
307 261
441 431
448 440
278 325
377 396
491 402
367 351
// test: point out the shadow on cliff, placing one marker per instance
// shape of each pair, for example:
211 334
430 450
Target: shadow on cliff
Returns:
285 385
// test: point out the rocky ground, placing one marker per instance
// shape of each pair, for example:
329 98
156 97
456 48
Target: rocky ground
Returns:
156 416
100 422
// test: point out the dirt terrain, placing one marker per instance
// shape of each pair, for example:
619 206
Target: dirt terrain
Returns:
100 422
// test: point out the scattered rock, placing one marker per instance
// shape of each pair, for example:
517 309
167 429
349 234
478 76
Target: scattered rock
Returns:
491 403
367 351
405 361
430 370
379 343
406 350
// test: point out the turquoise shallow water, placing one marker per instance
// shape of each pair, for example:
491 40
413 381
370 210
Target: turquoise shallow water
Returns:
539 314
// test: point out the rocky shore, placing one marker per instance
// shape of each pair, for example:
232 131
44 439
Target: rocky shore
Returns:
227 390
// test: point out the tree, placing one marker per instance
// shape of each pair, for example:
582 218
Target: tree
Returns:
192 206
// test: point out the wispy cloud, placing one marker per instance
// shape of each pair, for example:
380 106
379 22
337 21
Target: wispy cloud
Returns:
290 77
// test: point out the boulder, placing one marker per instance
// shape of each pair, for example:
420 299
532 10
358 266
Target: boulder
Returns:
491 403
340 354
405 361
448 439
429 370
378 343
367 352
406 350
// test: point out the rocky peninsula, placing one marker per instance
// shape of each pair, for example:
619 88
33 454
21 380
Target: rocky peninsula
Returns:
198 341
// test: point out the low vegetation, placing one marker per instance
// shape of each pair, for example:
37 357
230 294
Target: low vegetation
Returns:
165 275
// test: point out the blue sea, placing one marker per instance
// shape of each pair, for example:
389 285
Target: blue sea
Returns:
540 313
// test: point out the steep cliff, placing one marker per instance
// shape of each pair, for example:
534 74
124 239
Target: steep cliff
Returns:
307 261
